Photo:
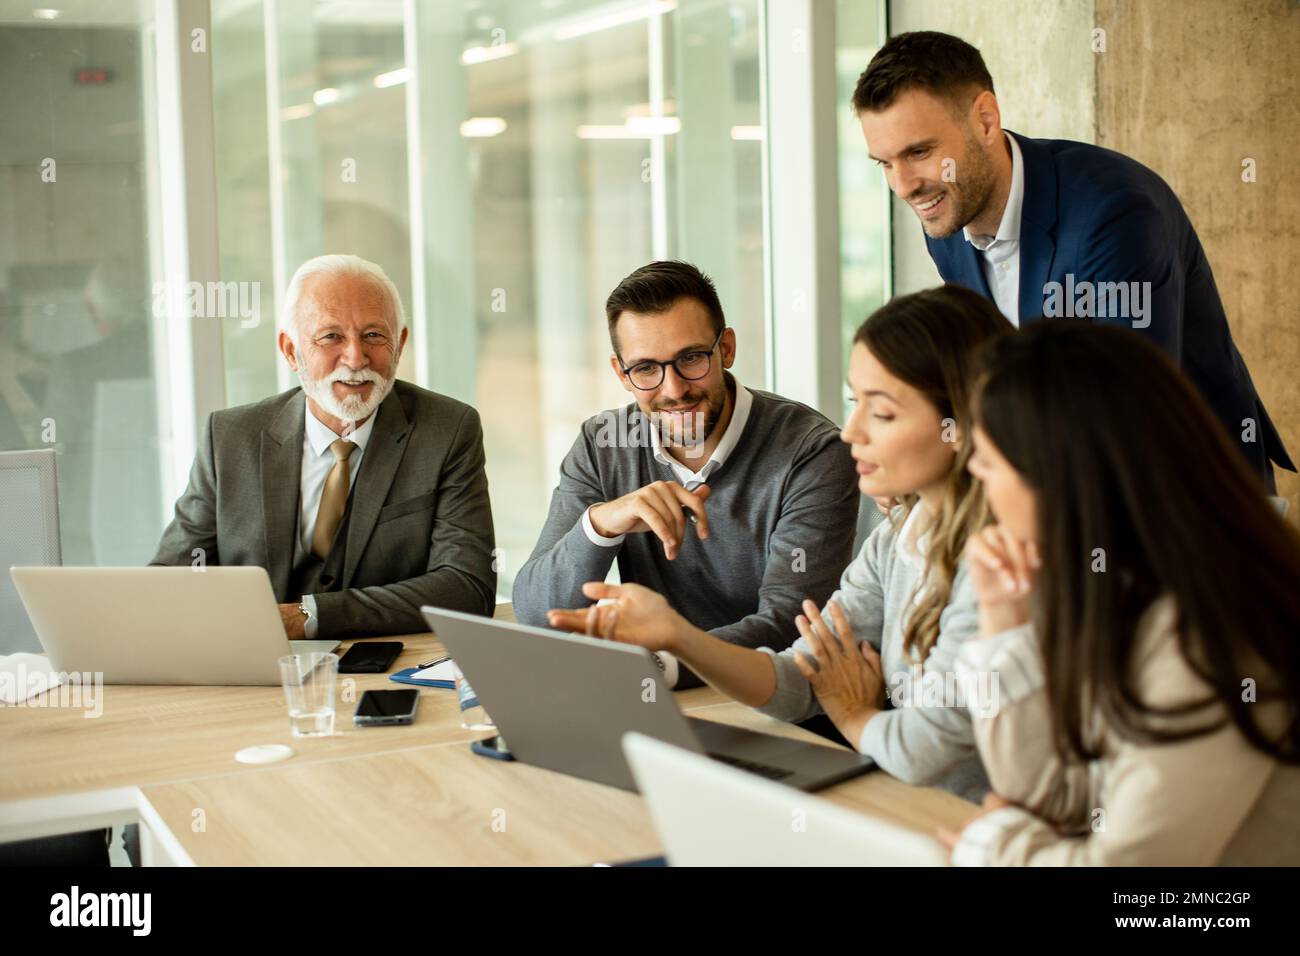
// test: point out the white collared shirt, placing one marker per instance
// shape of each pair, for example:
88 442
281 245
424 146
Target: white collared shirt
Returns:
317 460
690 480
727 444
1001 253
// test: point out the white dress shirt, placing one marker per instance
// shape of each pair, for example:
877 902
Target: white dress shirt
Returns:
1001 253
317 460
688 479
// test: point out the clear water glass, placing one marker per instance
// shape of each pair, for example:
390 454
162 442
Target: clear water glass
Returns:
308 681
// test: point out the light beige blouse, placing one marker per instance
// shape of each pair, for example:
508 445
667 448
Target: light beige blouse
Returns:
1209 800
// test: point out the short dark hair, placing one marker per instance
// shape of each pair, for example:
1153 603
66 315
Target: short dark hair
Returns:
656 287
944 65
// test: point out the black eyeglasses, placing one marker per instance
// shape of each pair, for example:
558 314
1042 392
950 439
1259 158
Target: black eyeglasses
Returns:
691 366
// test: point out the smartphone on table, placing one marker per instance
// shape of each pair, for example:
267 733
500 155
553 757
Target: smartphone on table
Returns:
383 707
370 657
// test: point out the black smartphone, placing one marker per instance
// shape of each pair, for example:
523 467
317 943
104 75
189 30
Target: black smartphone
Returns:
369 657
379 707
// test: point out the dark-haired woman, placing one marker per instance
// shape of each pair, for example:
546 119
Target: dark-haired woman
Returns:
904 606
1146 639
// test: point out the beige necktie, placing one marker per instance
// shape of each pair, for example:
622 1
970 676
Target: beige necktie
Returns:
333 499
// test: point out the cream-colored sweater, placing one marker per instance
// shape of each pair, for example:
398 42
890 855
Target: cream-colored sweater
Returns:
1209 800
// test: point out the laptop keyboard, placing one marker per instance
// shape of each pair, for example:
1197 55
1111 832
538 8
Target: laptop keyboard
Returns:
762 769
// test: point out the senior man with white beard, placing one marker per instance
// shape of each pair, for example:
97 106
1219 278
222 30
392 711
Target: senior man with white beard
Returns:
363 497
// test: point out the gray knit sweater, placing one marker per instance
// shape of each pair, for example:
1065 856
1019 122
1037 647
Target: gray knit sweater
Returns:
916 740
782 517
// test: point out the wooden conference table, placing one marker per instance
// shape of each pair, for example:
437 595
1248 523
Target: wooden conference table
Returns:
164 757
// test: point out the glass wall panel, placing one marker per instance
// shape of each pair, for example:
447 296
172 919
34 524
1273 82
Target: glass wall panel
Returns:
557 146
79 343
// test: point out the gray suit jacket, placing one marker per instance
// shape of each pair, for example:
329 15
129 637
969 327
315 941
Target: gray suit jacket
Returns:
419 528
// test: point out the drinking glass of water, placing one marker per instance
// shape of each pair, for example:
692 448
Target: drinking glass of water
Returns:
308 681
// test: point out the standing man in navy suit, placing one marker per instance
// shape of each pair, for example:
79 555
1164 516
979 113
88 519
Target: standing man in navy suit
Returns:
1049 227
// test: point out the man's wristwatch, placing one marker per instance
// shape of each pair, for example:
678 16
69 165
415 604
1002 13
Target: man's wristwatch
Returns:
659 661
302 609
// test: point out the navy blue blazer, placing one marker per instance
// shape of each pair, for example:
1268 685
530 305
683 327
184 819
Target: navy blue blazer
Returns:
1099 216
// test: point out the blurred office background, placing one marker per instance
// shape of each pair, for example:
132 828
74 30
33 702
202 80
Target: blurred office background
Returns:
507 162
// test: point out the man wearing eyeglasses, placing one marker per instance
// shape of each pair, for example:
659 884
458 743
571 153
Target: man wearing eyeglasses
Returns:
734 504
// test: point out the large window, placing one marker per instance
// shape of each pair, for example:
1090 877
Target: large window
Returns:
863 193
507 164
79 344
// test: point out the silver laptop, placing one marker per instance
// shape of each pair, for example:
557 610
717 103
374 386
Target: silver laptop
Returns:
160 625
564 701
710 815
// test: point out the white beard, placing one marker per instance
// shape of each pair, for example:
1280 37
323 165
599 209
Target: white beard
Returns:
353 408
